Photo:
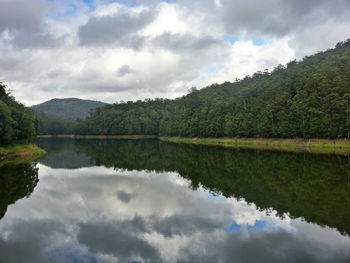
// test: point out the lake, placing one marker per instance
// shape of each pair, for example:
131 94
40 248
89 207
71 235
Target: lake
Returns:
151 201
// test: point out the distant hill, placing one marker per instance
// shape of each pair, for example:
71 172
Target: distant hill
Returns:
67 109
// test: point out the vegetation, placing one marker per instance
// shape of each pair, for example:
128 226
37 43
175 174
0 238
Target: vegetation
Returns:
314 187
131 118
18 124
23 151
292 145
304 99
55 125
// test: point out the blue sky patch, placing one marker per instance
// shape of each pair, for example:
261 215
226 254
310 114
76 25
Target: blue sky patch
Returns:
215 196
214 69
259 225
230 39
234 227
90 3
259 42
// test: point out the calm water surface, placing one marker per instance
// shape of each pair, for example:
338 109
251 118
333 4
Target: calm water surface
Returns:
149 201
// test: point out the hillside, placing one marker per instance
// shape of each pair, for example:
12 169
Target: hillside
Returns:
67 109
304 99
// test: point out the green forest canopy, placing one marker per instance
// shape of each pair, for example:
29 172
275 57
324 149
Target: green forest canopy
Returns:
17 123
307 98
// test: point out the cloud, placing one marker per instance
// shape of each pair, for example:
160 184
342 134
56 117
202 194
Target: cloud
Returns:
124 196
278 246
20 14
116 242
276 18
184 42
124 70
24 24
120 29
29 241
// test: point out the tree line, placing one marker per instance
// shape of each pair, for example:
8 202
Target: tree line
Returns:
18 124
304 99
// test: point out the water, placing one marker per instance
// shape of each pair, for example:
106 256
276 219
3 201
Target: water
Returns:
149 201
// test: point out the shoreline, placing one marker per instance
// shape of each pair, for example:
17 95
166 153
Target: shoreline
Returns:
20 151
101 137
316 146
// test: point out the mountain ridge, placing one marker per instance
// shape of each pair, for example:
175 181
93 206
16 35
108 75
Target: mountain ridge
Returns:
67 108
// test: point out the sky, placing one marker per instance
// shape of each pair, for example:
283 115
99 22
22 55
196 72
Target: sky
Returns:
129 50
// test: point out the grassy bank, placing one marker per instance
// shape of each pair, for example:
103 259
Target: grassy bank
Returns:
23 151
341 147
126 137
324 146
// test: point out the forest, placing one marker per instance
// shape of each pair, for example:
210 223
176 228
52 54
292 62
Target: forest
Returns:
18 124
309 98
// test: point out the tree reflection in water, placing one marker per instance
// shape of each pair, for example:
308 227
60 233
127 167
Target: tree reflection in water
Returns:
17 180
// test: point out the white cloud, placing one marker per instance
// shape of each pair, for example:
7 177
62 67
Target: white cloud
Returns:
169 47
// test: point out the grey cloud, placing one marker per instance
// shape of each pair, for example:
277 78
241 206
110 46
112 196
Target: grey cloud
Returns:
107 239
35 37
21 14
120 28
24 22
29 241
279 18
186 225
267 247
7 63
20 251
184 42
124 196
124 70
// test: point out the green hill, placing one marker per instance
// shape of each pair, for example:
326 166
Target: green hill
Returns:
304 99
59 116
67 109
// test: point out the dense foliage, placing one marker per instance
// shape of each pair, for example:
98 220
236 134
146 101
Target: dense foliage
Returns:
308 98
54 125
17 123
141 117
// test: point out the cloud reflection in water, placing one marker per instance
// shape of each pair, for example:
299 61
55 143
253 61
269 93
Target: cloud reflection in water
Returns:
98 214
